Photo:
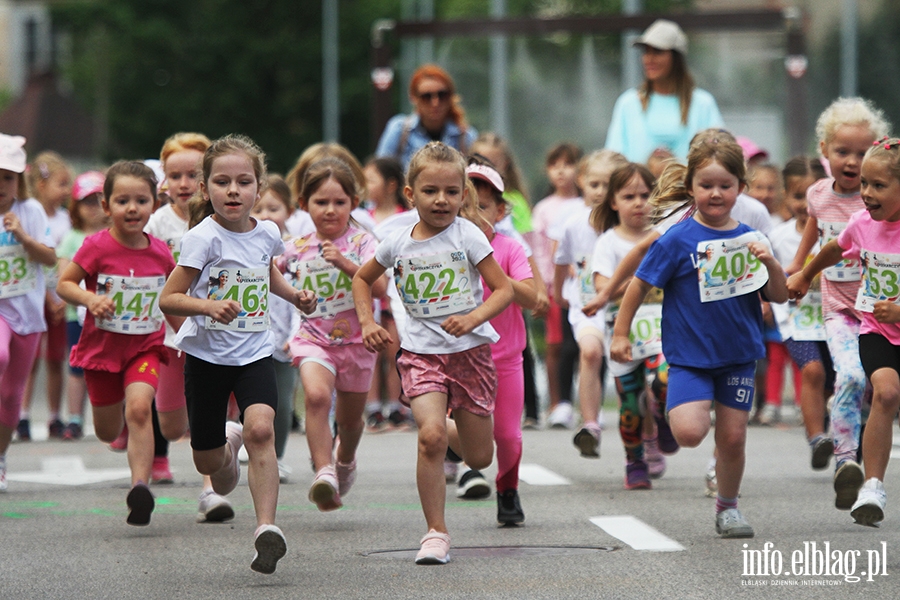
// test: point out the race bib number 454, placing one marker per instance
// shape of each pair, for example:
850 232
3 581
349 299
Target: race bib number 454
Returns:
247 287
436 285
727 269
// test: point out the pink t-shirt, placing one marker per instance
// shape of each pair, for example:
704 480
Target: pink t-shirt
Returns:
101 350
509 324
829 207
865 233
334 323
546 219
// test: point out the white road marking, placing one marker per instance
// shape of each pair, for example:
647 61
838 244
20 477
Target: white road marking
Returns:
537 475
636 533
68 470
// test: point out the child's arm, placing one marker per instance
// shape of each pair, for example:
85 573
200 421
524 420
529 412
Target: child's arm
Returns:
798 283
542 300
599 301
807 241
626 268
524 293
102 307
776 288
375 337
35 250
501 296
305 300
174 299
620 345
331 254
560 273
886 312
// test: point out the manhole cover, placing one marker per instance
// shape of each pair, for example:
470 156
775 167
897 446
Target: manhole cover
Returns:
496 551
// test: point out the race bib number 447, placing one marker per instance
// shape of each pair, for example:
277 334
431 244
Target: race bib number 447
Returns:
726 268
880 279
247 287
435 285
135 300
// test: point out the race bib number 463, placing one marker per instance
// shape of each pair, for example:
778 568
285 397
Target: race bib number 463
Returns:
727 269
135 300
436 285
247 287
880 279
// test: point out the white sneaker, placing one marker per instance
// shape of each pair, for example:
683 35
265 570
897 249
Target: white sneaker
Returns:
869 506
712 483
284 472
561 416
225 483
270 547
450 471
243 456
214 508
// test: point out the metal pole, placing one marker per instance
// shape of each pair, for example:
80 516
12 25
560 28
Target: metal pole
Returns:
499 91
330 101
426 44
632 72
849 26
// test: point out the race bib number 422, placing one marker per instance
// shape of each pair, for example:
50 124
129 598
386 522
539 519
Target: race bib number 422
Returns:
247 287
726 268
435 285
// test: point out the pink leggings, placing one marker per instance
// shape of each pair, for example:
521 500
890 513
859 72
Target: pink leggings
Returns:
508 422
17 354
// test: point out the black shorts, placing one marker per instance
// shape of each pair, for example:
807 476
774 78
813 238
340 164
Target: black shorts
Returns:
208 386
876 352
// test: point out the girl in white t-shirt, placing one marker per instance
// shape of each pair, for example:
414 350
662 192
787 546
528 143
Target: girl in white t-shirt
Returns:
227 341
445 360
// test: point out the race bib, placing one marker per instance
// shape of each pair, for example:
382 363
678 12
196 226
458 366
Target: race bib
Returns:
805 319
726 268
435 285
646 330
586 290
136 303
331 286
249 288
18 276
846 270
880 279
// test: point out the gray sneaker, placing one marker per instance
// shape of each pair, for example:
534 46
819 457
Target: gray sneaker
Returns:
847 480
869 506
822 451
730 523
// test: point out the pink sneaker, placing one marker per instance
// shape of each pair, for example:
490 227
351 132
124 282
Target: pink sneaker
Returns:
224 483
346 475
324 490
160 472
656 461
120 444
435 549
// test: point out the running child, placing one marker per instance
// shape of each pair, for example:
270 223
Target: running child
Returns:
871 236
846 130
26 245
445 361
576 239
711 331
227 343
328 348
800 323
121 344
507 353
623 218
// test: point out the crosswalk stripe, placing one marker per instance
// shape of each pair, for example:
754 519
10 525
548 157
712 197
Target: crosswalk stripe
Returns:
537 475
636 533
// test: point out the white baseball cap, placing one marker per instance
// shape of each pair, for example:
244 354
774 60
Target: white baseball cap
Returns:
664 35
486 173
12 153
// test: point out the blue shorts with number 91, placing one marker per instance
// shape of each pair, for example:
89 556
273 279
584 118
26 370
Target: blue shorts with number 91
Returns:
731 385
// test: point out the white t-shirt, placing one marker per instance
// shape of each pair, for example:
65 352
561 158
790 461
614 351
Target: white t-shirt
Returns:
424 335
576 246
210 245
166 225
25 313
59 224
785 240
299 224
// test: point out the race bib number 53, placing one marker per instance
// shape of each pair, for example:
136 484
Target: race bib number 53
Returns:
436 285
247 287
880 279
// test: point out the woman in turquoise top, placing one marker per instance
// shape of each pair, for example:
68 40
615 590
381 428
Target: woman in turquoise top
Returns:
667 109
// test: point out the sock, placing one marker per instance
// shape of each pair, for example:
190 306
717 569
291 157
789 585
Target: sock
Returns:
24 415
76 419
815 439
725 503
54 416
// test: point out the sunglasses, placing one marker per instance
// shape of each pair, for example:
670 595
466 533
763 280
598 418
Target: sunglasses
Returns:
442 95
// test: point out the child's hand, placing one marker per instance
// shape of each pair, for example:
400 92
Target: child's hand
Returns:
767 314
620 348
542 303
375 337
102 307
760 251
305 300
562 302
223 311
12 224
331 253
797 286
459 325
595 304
886 312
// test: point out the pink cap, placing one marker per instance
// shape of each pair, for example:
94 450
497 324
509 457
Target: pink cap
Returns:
89 182
486 173
751 150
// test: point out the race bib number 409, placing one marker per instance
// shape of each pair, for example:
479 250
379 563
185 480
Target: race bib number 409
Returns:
247 287
436 285
727 269
135 300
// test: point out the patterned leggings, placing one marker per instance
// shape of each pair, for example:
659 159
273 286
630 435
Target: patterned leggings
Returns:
632 389
849 386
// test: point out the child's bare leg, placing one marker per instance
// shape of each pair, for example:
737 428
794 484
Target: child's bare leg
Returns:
731 439
879 428
812 399
262 472
349 418
138 416
474 436
318 383
430 412
590 360
173 423
690 422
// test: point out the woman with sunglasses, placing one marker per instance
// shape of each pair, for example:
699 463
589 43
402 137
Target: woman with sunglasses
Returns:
438 116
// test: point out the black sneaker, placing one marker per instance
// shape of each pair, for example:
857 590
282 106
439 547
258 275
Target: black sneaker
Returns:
23 430
473 486
376 422
56 428
509 510
72 432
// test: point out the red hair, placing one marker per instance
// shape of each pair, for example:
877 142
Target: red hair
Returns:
432 71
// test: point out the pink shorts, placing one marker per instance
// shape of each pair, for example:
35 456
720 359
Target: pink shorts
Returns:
352 365
106 389
468 378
